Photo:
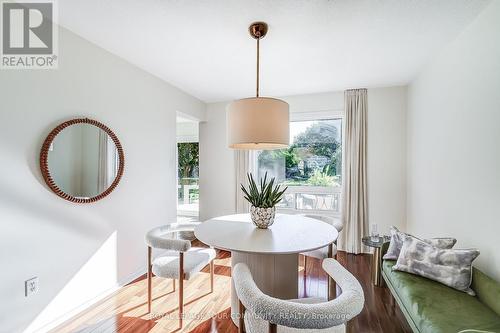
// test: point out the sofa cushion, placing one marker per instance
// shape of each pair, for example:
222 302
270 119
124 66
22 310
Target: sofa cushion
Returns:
397 239
487 290
436 308
448 266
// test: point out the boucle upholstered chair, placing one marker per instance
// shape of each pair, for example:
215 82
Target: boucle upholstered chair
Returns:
260 313
337 223
323 252
181 261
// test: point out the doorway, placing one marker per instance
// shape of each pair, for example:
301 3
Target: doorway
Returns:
188 198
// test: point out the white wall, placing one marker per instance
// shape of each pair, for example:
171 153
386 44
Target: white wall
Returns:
188 131
90 147
217 168
66 161
453 142
80 251
386 154
387 158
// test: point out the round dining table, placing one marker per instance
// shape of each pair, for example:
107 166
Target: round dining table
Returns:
272 254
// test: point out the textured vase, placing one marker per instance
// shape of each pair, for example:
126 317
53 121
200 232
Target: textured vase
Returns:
262 217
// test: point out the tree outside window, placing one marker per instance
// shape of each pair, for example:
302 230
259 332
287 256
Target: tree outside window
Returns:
188 168
314 157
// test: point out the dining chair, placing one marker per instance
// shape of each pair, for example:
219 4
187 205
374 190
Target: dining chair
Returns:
181 261
323 252
335 222
259 313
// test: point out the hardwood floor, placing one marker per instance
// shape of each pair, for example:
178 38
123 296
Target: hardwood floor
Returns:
125 310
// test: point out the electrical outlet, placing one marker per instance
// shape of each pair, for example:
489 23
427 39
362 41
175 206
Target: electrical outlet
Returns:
31 286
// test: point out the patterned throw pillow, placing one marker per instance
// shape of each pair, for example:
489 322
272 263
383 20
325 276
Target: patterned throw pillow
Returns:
397 238
451 267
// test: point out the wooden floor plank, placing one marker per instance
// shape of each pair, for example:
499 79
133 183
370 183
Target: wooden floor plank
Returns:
126 310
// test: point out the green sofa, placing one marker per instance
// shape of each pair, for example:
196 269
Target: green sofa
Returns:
432 307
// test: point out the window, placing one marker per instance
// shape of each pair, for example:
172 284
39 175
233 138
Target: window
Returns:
188 179
311 167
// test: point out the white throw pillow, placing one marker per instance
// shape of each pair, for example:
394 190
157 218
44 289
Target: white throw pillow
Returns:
451 267
397 238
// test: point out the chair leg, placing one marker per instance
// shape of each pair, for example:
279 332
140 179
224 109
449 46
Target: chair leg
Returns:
335 256
241 319
273 328
173 285
330 250
332 288
212 276
150 273
181 288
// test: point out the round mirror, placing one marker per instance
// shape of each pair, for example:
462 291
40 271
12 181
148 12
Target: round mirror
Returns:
82 160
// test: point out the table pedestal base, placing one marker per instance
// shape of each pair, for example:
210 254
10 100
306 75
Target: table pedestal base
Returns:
376 267
275 274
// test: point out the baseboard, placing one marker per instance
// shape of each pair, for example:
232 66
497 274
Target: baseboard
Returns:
82 307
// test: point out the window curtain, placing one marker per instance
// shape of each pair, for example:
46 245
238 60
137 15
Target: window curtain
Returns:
354 212
107 162
245 161
102 175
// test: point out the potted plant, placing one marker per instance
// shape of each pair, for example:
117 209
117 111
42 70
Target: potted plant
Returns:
263 200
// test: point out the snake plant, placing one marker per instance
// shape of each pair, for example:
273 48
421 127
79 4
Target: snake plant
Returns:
266 195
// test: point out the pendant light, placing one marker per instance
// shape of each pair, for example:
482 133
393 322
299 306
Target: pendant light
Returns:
258 122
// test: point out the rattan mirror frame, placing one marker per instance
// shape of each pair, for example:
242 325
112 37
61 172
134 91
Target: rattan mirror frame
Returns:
44 162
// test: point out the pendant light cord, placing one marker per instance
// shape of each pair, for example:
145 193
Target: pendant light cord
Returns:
258 66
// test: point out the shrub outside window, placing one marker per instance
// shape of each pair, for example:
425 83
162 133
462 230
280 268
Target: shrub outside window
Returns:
311 167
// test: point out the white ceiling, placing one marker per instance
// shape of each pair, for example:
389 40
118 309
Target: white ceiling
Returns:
203 47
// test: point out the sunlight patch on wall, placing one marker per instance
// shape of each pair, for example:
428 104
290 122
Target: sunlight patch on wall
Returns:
97 276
